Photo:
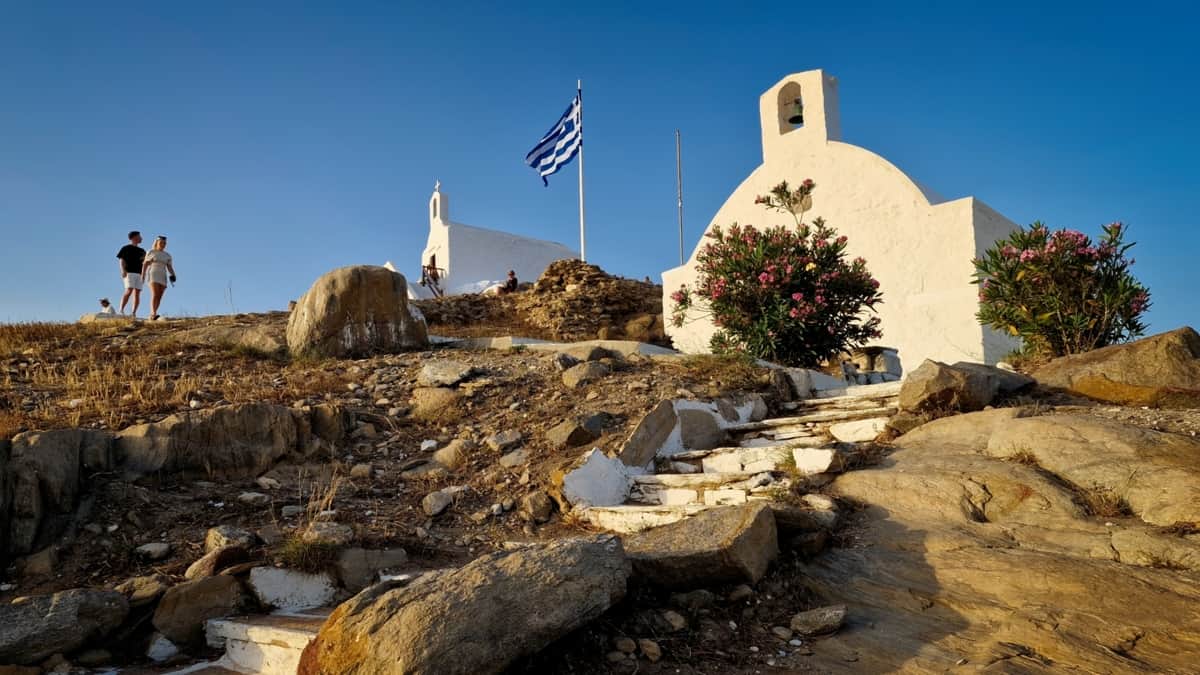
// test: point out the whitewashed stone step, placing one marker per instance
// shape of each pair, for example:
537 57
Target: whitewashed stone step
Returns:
861 391
841 403
629 518
858 431
802 442
821 416
270 644
689 480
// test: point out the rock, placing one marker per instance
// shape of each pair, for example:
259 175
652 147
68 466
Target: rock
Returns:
266 483
584 373
429 445
586 352
338 534
716 546
515 459
937 387
475 619
650 650
443 373
154 550
699 430
41 565
36 627
791 519
454 455
810 461
44 476
564 361
161 649
858 431
216 560
739 593
537 506
362 471
570 434
291 511
140 591
262 338
782 633
597 423
694 601
435 402
184 608
625 645
819 621
651 432
355 311
1156 473
254 499
646 328
233 441
358 568
1004 382
435 503
503 440
291 590
616 656
1160 371
222 536
674 621
594 480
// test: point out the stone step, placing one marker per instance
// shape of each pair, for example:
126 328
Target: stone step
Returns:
860 391
268 643
799 442
690 480
629 518
814 417
712 489
840 403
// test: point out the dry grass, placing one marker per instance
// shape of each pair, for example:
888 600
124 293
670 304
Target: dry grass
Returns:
112 374
1104 503
1023 456
302 552
1180 529
730 371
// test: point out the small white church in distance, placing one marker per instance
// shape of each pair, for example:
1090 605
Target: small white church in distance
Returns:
462 258
916 243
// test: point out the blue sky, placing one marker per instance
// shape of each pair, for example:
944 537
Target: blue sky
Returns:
274 142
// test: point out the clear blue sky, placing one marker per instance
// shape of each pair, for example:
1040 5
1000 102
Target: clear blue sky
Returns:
275 141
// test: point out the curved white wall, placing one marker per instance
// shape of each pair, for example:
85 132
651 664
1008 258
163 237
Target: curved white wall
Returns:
919 251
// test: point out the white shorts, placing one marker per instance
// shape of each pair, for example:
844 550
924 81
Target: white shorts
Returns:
133 281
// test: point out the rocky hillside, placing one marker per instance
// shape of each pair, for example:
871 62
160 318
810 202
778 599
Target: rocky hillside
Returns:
492 506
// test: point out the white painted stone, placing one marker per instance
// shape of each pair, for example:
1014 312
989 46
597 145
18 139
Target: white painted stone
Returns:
633 518
819 501
761 465
598 481
684 467
474 258
722 463
290 590
269 645
816 460
677 496
161 649
887 216
859 430
724 497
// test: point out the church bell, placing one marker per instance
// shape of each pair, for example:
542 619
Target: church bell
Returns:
797 119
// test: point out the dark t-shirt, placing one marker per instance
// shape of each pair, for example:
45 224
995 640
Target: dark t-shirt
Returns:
133 256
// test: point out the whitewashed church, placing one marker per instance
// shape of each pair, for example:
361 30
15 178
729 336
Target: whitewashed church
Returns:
918 244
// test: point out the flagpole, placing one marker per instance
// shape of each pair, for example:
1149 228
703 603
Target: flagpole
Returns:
582 237
679 188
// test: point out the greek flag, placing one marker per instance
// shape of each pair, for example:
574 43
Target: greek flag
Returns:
561 143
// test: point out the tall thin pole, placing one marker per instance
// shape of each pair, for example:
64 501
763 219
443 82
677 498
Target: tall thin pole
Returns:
582 236
679 190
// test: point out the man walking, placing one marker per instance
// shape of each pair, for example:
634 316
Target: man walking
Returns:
132 256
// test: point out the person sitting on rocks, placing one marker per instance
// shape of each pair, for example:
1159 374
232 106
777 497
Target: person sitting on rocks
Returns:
510 285
106 307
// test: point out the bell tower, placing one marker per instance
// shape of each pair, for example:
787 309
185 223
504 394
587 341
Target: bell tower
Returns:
802 107
439 205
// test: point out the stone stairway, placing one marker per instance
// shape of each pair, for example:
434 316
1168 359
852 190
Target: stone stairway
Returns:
762 460
268 643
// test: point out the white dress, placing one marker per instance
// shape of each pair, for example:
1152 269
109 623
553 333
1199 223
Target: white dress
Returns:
156 266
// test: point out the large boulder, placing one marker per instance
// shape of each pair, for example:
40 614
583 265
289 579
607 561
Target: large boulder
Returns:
651 432
937 387
46 474
355 311
264 338
1162 370
476 619
1157 473
184 608
229 441
717 546
33 628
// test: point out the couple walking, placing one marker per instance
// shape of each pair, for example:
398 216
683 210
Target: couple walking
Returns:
137 266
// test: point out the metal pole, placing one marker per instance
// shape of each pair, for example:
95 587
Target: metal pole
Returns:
582 236
679 191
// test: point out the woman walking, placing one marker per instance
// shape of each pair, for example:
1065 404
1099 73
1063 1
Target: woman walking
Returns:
158 270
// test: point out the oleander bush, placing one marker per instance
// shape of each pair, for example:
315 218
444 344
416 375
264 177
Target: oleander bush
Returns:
783 293
1059 291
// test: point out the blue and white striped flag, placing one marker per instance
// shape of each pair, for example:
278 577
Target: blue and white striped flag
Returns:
561 143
